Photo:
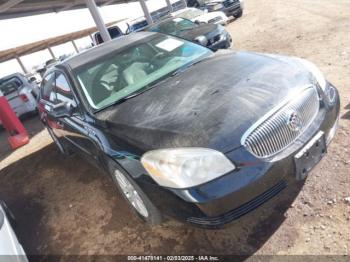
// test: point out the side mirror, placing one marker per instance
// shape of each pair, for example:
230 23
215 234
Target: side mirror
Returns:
64 109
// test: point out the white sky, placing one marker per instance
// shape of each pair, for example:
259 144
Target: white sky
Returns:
20 31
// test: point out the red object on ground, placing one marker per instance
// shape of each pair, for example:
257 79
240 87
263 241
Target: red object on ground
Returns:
18 135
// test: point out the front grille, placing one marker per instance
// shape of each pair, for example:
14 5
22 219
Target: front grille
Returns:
276 132
215 20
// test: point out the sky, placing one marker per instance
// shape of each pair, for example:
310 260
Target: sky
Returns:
20 31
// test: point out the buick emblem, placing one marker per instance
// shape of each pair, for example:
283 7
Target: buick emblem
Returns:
294 122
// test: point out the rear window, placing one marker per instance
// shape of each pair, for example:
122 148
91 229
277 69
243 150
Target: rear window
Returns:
10 86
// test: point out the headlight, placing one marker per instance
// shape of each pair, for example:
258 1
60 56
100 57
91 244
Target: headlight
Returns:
328 90
319 77
185 167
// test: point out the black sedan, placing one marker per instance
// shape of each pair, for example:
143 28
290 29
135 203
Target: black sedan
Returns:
210 35
187 133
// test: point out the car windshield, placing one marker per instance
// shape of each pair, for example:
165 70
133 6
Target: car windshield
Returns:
173 27
109 80
190 14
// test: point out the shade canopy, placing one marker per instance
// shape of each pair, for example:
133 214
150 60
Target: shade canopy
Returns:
20 8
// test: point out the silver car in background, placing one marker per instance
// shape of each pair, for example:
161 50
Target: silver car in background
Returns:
20 93
10 248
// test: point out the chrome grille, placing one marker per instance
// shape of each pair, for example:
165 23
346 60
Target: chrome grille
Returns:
277 131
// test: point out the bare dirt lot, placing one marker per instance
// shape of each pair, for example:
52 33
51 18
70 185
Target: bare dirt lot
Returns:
64 206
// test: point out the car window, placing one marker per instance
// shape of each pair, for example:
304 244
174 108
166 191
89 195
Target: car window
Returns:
110 79
174 26
63 90
47 88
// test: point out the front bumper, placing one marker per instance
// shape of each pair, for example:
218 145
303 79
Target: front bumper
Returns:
227 198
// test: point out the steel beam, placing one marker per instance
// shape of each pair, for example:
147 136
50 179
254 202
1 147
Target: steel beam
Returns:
75 46
24 69
96 15
9 4
146 12
170 7
51 52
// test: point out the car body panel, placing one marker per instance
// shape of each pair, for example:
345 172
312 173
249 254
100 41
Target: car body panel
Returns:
216 17
9 244
212 111
216 35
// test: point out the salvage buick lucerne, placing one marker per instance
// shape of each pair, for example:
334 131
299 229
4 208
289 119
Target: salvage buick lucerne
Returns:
187 133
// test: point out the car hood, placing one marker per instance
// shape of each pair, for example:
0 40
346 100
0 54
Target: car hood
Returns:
211 105
203 29
208 16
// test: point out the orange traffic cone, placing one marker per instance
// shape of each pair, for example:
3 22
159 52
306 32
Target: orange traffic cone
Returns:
18 135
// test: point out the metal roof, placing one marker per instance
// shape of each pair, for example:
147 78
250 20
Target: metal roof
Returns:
41 45
20 8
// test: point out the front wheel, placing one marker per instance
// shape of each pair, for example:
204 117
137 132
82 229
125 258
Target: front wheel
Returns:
238 14
138 201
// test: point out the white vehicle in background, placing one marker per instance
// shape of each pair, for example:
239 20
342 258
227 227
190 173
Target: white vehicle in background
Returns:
9 244
20 93
200 16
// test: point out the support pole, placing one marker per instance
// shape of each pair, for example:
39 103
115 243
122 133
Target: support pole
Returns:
24 69
146 12
75 46
51 52
96 15
170 7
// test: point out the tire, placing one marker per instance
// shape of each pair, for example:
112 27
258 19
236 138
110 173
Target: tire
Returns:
136 198
238 14
61 148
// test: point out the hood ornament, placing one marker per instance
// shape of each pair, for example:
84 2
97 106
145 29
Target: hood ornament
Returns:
294 121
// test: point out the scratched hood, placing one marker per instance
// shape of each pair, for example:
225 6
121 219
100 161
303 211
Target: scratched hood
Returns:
211 105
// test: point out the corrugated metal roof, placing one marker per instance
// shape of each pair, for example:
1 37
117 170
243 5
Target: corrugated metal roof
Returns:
20 8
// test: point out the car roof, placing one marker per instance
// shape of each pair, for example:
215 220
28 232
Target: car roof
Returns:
5 78
104 49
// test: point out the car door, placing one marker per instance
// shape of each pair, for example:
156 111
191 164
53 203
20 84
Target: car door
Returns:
75 129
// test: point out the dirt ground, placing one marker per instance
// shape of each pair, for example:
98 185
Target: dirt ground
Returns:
64 206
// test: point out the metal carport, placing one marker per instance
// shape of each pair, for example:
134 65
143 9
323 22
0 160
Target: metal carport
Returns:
20 8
